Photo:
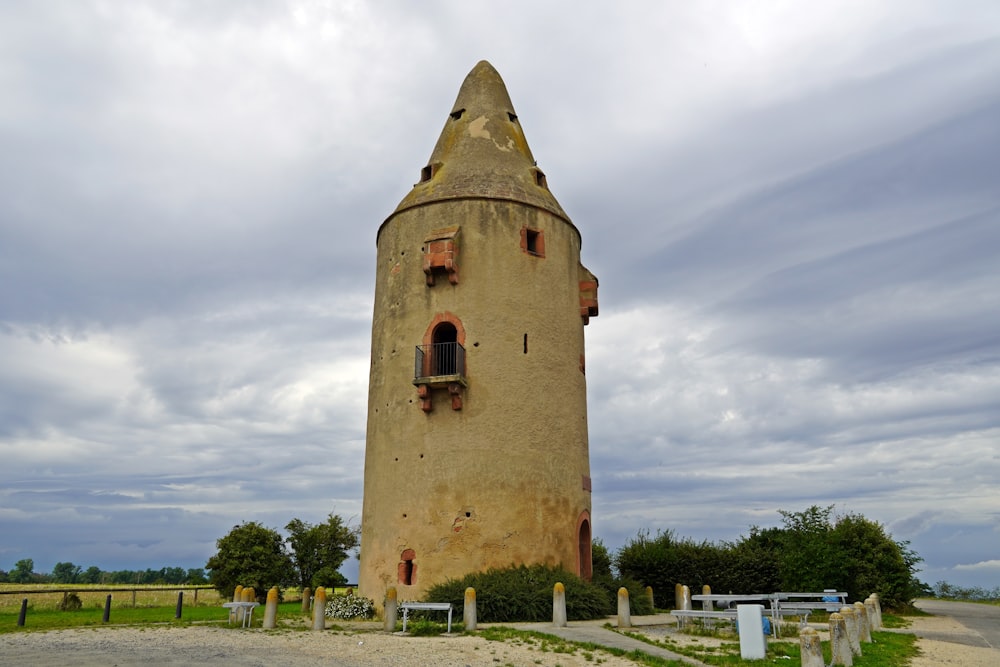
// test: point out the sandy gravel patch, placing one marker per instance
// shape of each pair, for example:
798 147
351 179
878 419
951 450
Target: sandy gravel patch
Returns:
934 653
110 647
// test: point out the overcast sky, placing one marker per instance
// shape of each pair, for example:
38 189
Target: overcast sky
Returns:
793 210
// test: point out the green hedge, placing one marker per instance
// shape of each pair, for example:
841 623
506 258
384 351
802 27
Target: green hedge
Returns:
523 593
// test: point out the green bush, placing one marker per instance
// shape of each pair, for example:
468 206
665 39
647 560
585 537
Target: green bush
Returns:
523 593
639 603
71 602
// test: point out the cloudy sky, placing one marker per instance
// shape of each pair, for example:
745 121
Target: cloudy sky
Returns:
793 210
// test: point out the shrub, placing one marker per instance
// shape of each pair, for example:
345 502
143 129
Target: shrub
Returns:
350 606
71 602
522 593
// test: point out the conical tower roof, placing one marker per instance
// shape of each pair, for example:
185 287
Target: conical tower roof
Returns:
482 152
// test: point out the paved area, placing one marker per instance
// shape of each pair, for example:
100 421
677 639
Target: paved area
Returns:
595 633
982 621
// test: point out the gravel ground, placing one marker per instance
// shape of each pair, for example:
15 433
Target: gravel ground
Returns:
110 647
361 647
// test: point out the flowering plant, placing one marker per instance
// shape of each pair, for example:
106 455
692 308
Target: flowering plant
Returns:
350 606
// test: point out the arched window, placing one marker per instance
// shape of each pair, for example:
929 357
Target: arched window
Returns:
406 571
440 361
444 354
586 564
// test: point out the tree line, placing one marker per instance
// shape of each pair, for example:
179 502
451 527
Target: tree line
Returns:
68 573
249 555
813 550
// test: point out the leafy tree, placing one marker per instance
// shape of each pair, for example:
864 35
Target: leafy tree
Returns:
319 551
603 577
664 560
66 573
23 572
92 575
250 555
196 576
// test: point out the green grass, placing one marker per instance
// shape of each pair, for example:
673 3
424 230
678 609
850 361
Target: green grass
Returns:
888 649
545 643
92 616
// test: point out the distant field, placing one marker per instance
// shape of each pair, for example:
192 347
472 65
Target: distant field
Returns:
122 596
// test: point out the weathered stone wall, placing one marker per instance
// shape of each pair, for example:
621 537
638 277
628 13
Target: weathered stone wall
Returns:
504 479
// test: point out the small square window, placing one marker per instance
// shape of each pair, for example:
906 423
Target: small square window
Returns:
533 242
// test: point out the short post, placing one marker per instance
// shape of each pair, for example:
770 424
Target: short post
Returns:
237 613
624 612
306 598
391 609
133 598
686 593
469 615
271 609
678 596
811 648
840 644
196 597
559 605
107 609
24 613
319 609
706 604
652 600
753 642
878 609
864 624
180 604
248 595
851 621
873 620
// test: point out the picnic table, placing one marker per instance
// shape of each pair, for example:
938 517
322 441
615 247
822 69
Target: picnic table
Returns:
244 610
407 607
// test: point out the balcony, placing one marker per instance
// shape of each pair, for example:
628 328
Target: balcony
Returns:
439 365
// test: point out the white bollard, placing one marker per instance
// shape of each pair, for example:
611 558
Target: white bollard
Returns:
624 611
271 609
469 610
686 594
873 619
811 648
864 624
319 609
753 642
391 611
851 621
840 643
559 605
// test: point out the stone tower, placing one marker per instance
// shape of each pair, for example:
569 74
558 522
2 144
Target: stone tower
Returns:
477 453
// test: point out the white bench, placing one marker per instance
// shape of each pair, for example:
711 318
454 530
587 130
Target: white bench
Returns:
244 610
407 607
684 614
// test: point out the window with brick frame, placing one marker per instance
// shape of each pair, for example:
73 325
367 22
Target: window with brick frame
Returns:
533 241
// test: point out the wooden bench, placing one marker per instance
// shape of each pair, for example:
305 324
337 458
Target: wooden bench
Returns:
407 607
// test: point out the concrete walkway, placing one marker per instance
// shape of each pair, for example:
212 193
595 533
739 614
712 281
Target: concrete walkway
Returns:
594 632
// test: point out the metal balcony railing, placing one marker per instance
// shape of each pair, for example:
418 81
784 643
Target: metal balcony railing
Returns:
439 359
